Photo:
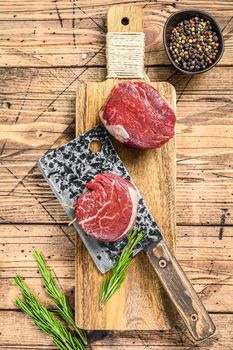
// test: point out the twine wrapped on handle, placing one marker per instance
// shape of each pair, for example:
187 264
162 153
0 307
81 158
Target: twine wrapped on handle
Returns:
125 55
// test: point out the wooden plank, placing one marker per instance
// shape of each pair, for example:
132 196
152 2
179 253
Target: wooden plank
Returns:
47 95
207 260
203 190
73 34
38 112
43 9
12 322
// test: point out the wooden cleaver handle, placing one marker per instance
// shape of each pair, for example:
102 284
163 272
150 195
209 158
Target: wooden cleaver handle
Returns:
180 291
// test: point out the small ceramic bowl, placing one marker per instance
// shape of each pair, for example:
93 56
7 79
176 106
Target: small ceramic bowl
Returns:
179 16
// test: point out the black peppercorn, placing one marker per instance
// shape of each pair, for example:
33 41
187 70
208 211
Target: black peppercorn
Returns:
193 44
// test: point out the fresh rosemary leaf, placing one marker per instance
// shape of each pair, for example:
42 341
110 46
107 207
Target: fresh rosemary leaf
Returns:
63 307
45 320
118 273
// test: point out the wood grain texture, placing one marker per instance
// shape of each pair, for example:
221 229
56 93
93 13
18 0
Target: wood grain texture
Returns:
177 339
180 291
40 116
140 303
71 33
209 272
204 207
134 14
211 277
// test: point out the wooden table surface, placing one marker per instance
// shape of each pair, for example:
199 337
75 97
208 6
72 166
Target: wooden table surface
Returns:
46 48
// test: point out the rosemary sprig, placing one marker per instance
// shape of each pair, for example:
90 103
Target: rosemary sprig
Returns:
45 320
63 307
117 275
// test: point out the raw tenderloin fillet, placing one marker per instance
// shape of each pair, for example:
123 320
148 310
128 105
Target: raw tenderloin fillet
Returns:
108 211
138 116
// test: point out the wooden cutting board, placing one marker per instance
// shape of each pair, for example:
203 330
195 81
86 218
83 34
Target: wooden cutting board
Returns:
141 303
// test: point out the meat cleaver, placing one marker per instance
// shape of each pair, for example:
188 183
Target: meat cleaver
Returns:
68 168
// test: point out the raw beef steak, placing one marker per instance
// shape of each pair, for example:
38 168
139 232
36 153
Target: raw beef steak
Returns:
108 211
138 116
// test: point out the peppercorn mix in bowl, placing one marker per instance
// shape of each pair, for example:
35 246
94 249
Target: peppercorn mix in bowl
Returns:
193 41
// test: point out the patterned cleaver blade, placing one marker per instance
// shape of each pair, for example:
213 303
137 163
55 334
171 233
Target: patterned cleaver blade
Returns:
68 168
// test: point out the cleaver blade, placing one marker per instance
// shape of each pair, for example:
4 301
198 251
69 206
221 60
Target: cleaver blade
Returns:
68 168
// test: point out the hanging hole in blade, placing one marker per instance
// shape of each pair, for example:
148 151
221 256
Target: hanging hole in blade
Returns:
95 146
125 21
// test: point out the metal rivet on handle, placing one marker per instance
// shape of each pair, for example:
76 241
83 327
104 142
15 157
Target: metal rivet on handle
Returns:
194 317
162 263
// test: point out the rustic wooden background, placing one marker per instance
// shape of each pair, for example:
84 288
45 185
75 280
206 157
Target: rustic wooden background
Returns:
46 48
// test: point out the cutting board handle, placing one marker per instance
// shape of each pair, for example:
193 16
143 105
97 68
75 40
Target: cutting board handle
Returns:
125 43
180 291
125 19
